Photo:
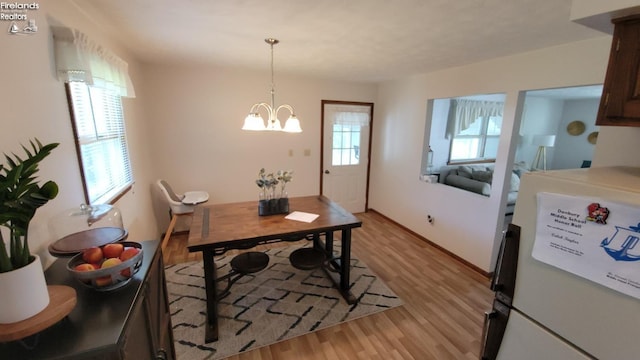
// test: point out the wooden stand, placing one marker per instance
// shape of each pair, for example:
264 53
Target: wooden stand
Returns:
62 299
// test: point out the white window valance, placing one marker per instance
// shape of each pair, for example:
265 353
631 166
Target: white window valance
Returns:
351 118
464 112
351 115
80 59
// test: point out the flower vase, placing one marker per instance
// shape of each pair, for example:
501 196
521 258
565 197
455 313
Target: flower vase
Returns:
24 292
283 203
263 204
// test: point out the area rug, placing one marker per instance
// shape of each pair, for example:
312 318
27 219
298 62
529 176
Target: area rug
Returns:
275 304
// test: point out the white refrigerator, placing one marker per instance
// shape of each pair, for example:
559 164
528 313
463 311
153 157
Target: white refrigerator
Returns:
567 280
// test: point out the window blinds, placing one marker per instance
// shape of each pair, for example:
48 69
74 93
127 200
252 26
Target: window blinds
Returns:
101 141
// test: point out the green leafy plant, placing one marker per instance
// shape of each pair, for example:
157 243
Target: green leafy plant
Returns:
284 176
266 182
20 197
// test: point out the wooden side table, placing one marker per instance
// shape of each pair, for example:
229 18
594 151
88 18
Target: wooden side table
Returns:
62 299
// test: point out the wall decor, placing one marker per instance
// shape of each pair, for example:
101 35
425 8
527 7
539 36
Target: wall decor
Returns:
575 128
593 138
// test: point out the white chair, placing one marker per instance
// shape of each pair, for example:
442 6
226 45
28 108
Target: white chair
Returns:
179 205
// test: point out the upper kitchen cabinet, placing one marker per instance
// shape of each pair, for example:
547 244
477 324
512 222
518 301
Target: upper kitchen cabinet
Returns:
620 102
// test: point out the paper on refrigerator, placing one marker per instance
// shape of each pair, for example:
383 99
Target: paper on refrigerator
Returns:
591 237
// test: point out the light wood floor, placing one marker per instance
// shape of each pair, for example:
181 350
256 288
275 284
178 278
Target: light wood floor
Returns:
442 315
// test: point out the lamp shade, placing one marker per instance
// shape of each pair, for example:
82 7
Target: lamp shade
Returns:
292 125
254 122
543 140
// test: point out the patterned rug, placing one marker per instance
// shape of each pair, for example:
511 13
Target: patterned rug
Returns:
275 304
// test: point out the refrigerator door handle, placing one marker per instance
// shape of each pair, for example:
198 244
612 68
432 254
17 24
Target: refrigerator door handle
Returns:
504 276
495 324
488 315
495 280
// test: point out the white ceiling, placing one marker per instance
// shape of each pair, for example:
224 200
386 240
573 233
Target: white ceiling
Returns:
356 40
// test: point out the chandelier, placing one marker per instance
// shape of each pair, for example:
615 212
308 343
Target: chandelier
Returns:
254 120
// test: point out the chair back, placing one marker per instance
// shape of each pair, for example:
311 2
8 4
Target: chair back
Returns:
175 200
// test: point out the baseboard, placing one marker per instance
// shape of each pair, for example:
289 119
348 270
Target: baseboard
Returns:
449 253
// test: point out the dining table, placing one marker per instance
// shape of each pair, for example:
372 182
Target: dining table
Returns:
217 228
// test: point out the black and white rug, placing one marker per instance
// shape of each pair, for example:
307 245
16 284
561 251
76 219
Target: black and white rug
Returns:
275 304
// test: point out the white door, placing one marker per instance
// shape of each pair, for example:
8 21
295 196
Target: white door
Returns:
346 129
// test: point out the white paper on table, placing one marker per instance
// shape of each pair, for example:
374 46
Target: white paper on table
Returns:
302 216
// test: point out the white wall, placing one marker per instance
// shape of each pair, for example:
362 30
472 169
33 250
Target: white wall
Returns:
34 104
465 223
541 116
196 113
570 151
436 135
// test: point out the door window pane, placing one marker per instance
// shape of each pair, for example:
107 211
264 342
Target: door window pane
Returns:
346 145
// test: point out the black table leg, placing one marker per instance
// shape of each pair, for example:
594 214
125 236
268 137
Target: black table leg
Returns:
211 330
345 268
328 245
341 265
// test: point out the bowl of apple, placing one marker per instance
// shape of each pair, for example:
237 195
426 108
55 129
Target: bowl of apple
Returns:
107 267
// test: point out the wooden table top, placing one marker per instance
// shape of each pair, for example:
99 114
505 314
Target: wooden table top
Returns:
240 221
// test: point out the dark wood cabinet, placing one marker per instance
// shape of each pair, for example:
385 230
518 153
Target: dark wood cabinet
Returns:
620 102
128 323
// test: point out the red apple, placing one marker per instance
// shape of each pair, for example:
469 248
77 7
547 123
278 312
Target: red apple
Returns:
92 255
103 281
85 267
128 253
112 250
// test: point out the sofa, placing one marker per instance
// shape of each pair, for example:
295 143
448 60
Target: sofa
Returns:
477 178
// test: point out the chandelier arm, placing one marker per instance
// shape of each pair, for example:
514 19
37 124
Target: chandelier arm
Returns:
256 106
285 106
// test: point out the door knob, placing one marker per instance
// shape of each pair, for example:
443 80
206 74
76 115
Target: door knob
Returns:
327 172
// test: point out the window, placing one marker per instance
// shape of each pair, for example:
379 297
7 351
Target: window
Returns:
96 80
475 128
479 141
346 145
101 143
346 127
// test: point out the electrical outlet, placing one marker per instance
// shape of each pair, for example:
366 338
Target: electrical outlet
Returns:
430 219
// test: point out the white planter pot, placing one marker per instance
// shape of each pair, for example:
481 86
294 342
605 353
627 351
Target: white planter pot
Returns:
24 293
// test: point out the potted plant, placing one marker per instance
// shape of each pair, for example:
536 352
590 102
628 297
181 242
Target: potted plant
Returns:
20 197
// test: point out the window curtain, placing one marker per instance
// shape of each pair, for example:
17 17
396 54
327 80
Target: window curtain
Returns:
80 59
351 115
464 112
